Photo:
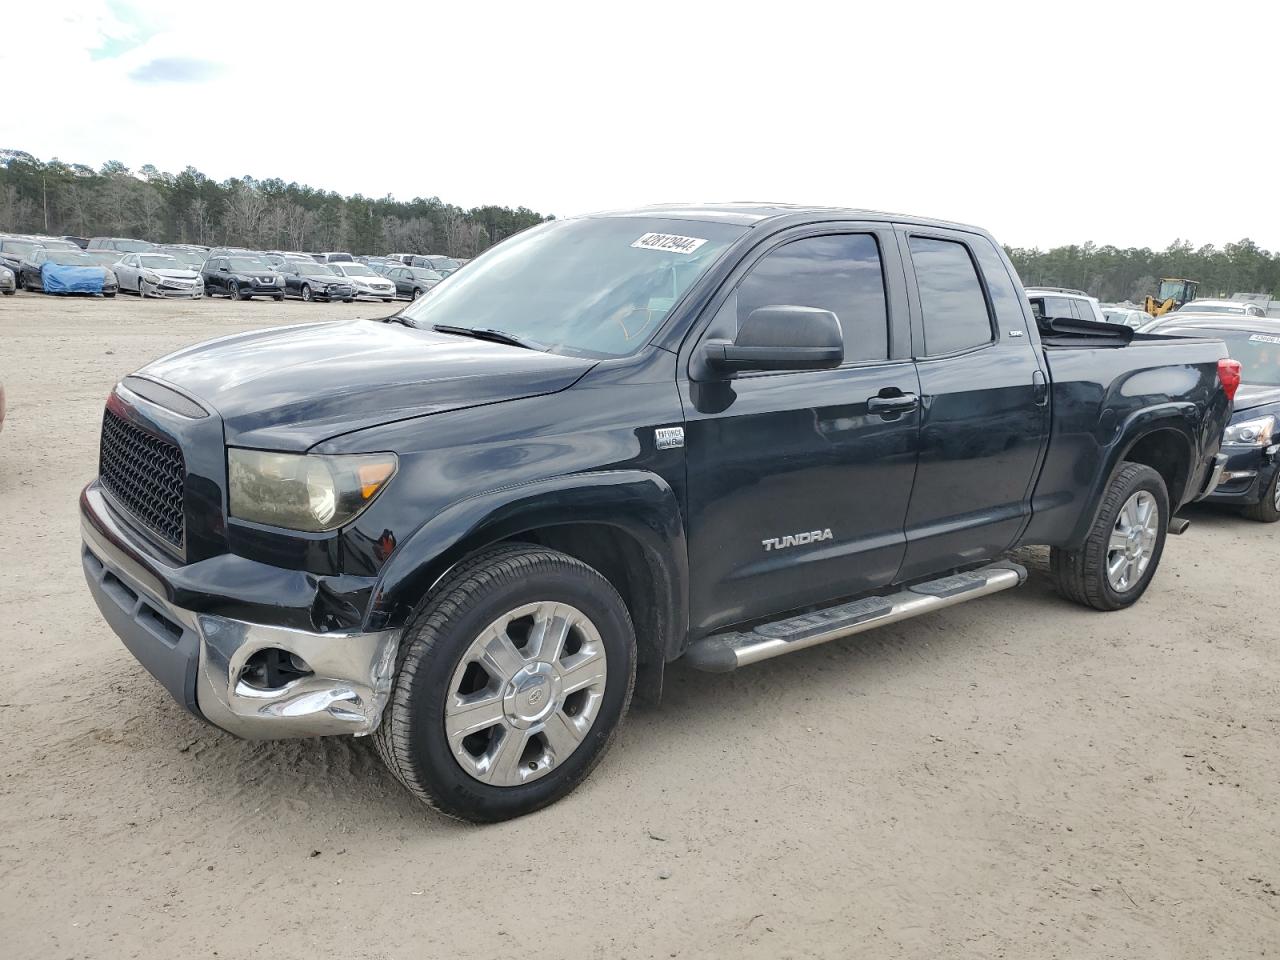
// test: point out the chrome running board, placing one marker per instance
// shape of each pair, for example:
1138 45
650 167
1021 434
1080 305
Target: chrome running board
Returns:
722 652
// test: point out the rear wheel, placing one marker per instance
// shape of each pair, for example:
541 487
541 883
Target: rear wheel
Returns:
1114 566
510 684
1267 510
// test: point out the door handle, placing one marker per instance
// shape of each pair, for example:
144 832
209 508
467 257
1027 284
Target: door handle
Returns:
903 403
1039 388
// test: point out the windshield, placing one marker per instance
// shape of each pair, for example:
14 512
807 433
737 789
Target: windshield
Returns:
599 286
248 264
421 273
160 262
1258 353
443 263
103 258
132 246
20 247
1194 307
1171 288
354 270
68 258
189 257
312 269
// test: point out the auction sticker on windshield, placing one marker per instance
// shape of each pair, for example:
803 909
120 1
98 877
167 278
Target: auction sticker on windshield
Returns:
1256 338
669 242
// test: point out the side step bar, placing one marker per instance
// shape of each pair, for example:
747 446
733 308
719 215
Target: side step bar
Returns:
722 652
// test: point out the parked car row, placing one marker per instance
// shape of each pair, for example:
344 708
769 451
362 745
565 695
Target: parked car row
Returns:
113 264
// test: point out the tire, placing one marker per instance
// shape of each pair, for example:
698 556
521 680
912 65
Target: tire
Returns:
1086 576
111 294
434 665
278 298
1266 510
306 293
417 292
233 291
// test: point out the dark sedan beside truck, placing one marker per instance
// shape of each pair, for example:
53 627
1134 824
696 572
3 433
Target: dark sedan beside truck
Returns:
718 434
1251 443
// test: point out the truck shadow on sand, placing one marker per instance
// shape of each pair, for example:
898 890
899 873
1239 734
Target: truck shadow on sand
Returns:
252 782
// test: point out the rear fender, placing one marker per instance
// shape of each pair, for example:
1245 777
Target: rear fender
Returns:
1177 421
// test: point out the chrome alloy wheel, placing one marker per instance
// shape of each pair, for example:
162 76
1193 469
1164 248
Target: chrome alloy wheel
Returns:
1133 541
1275 490
525 693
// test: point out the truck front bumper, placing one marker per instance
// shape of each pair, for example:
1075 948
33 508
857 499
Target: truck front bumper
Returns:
208 662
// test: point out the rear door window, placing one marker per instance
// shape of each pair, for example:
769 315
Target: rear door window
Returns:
952 302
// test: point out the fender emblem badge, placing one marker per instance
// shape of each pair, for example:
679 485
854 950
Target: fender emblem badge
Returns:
668 438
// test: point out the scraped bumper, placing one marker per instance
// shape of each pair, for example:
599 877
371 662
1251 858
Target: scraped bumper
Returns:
207 662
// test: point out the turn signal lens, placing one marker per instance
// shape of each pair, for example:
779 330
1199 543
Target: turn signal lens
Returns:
373 476
1229 376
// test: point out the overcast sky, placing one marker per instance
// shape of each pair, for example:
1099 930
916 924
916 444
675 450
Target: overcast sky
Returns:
1046 122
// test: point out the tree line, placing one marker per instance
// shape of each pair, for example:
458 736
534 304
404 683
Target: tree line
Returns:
61 199
53 197
1114 274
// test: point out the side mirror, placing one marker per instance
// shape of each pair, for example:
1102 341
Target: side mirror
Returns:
781 338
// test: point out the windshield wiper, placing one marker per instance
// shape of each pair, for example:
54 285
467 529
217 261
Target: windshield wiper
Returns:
398 318
485 333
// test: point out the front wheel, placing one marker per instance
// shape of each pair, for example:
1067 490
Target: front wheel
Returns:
306 293
509 685
1267 510
1114 566
417 292
233 291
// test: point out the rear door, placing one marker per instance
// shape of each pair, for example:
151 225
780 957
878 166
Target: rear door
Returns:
797 488
984 402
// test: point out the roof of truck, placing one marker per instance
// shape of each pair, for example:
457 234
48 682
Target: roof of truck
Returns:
750 213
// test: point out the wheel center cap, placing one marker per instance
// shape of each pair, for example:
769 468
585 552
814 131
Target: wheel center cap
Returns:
531 695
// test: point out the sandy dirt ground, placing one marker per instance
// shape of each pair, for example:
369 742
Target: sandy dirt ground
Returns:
1015 777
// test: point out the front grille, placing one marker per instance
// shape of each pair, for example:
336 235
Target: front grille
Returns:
145 474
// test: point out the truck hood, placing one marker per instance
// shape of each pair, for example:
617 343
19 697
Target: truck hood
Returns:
1250 397
289 388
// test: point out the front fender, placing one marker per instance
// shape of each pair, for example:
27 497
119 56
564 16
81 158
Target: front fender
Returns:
639 504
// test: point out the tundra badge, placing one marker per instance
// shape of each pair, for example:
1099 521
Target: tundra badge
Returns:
796 539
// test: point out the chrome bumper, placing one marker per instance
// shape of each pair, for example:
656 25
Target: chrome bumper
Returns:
201 658
1215 475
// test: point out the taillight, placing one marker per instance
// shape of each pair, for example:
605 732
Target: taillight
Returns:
1229 376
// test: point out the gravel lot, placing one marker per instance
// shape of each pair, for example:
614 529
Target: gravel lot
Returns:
1016 777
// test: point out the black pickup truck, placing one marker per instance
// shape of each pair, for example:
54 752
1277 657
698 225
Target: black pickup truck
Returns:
714 433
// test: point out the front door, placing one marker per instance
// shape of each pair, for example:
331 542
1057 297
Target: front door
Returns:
798 482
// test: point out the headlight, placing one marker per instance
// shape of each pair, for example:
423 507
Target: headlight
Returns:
151 277
304 492
1253 433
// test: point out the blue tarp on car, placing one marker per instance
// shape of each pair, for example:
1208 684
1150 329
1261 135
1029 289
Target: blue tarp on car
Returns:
55 278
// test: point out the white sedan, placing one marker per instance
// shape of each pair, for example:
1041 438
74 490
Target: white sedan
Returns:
157 275
365 281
